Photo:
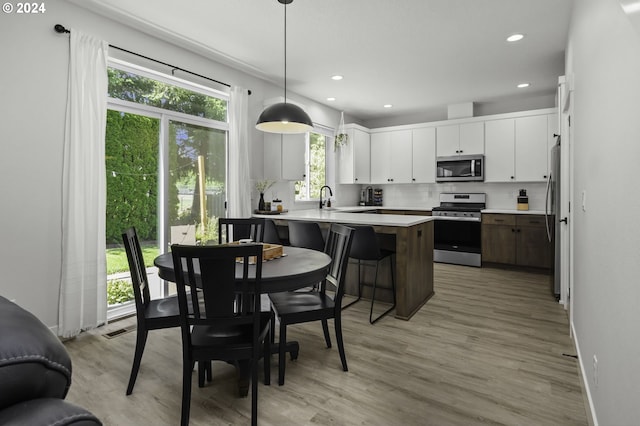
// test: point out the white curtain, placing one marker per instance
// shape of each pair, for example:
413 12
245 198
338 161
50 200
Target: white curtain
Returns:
239 189
83 295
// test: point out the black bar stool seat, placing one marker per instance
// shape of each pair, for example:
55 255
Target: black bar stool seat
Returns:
365 247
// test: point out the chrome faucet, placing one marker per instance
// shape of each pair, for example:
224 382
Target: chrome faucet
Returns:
330 194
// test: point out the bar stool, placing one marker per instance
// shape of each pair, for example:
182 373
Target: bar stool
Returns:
365 247
306 235
271 233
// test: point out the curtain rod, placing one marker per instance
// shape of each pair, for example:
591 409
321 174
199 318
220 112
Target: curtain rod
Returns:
61 30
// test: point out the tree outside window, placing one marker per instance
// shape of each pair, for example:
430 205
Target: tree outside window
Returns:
309 189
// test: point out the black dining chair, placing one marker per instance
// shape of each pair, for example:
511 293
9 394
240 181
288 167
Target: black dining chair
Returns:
306 235
222 320
151 314
366 248
301 307
234 229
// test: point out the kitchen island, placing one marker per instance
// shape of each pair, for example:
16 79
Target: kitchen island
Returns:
411 237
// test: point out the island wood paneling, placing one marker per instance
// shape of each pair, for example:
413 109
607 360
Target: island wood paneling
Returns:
413 266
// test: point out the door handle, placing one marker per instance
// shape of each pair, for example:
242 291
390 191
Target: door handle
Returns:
565 220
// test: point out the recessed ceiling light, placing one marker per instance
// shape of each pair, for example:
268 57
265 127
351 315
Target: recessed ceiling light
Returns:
523 85
515 37
331 99
387 105
336 77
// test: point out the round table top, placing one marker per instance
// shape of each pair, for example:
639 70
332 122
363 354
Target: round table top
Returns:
299 267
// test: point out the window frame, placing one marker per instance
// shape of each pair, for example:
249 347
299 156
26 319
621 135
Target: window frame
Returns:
328 134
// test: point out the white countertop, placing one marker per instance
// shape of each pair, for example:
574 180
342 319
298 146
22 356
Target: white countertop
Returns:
349 215
428 209
353 216
514 211
415 208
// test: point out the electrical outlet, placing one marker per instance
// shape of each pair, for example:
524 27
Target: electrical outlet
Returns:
595 370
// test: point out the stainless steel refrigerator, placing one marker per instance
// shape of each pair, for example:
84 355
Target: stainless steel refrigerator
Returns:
552 212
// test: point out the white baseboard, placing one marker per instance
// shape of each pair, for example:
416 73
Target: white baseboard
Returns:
586 386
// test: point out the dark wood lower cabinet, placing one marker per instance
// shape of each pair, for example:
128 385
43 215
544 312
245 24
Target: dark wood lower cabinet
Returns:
519 240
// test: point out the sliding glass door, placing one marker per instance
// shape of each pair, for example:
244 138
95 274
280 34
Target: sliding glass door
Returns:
196 182
166 162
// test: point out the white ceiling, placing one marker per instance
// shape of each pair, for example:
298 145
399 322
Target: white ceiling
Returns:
418 55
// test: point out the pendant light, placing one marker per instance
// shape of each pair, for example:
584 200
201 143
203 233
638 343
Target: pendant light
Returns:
284 117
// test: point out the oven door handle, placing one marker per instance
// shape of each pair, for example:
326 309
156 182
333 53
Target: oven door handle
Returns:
459 219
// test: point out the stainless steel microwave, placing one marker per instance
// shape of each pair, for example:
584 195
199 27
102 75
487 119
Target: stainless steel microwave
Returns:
460 168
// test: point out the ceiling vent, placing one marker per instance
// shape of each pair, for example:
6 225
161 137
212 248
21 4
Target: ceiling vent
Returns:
464 110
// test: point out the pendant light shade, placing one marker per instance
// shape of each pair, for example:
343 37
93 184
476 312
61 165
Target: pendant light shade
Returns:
284 117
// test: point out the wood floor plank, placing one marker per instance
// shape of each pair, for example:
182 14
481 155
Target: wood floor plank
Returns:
486 349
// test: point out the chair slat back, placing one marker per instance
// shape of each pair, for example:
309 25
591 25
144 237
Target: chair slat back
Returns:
234 229
137 268
338 246
208 290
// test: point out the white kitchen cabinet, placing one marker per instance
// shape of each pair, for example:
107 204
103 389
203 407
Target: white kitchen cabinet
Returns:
354 157
284 156
460 139
448 140
516 149
401 157
424 155
293 156
391 156
499 150
380 155
531 162
272 156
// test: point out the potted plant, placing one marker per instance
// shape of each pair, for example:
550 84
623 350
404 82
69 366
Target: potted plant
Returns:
341 137
261 186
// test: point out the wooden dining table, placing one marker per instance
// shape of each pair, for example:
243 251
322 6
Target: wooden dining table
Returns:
297 268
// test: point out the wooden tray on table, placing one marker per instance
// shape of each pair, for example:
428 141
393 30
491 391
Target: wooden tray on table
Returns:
269 252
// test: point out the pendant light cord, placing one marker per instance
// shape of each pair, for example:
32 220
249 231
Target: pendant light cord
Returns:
285 53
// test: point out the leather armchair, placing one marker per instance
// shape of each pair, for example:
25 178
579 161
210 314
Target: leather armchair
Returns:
35 373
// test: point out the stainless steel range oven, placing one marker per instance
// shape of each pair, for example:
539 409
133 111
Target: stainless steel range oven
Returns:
457 230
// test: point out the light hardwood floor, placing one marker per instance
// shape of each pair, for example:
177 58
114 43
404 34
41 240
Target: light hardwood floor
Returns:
488 348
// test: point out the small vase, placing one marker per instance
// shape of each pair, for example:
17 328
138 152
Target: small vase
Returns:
261 202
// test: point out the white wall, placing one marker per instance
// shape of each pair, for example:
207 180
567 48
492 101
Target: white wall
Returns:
33 79
603 55
496 106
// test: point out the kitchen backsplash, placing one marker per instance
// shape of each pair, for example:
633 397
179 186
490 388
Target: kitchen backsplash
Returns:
499 195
